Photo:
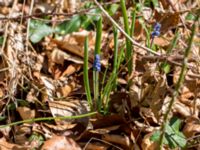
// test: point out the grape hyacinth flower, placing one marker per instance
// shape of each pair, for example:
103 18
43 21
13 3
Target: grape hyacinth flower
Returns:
156 32
97 63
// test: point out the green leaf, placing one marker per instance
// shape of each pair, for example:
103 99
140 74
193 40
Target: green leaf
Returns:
175 123
2 118
36 137
180 140
190 16
69 26
88 20
166 67
155 3
155 136
112 9
1 40
38 30
173 135
170 141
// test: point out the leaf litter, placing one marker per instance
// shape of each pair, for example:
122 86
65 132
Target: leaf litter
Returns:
41 75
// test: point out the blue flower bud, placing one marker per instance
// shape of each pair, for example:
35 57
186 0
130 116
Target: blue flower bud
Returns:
97 63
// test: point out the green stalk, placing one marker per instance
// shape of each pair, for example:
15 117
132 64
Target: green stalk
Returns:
127 30
178 86
48 119
115 53
85 75
96 73
133 23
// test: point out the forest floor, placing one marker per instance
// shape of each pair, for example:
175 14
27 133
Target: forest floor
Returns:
99 75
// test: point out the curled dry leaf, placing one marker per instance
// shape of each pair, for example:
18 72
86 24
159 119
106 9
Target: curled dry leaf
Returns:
26 113
49 90
60 143
182 109
117 139
71 69
74 43
147 114
66 89
192 126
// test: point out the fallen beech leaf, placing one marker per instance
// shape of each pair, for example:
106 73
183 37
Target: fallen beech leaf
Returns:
182 109
49 89
59 57
26 113
117 139
65 90
4 145
192 126
60 143
71 69
69 108
167 20
160 41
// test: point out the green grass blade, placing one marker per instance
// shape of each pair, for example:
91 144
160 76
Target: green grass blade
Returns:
96 73
85 75
128 43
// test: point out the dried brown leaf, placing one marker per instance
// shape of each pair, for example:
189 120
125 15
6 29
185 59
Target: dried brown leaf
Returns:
117 139
26 113
4 145
69 108
60 143
192 126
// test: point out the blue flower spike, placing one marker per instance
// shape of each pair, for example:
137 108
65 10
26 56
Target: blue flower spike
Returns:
97 63
156 30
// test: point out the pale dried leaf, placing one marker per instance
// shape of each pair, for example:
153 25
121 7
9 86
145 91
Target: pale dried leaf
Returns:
60 143
117 139
59 57
69 108
26 113
4 145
